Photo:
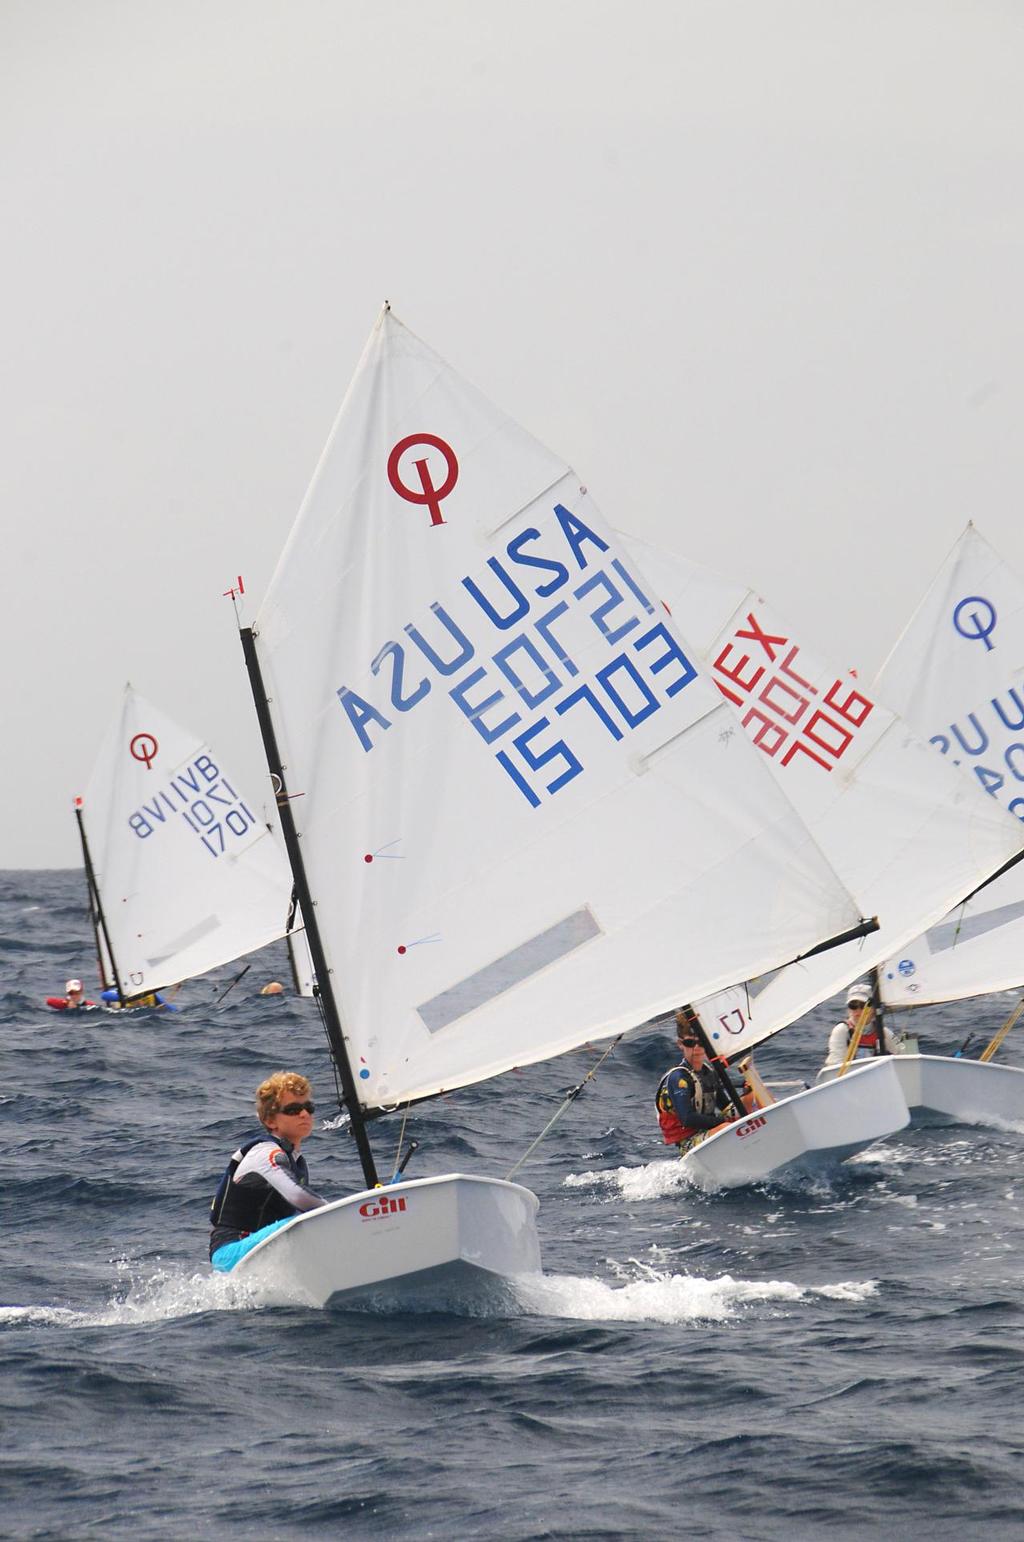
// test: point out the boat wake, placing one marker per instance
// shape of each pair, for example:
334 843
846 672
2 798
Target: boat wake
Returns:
654 1295
648 1182
656 1179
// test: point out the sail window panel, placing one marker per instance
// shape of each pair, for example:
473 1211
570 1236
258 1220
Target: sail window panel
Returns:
510 970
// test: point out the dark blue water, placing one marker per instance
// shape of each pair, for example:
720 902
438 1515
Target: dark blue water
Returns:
843 1357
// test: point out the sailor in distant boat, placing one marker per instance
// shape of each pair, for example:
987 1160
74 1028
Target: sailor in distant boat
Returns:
691 1101
73 1001
267 1181
858 997
154 999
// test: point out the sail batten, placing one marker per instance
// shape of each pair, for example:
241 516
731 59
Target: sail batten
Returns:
526 821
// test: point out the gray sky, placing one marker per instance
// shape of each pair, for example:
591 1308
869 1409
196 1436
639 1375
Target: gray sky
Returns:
752 267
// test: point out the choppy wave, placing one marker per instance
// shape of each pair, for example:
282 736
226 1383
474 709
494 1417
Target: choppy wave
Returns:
746 1364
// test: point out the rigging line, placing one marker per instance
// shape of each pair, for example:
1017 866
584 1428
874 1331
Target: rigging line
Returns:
401 1137
570 1097
991 1048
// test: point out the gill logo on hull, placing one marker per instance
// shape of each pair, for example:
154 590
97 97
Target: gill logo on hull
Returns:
376 1209
750 1125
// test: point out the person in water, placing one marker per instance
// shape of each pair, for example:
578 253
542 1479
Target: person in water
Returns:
267 1180
73 1001
691 1101
858 997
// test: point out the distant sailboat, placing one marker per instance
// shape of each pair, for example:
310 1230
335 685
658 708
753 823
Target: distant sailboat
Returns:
519 814
182 875
899 826
955 674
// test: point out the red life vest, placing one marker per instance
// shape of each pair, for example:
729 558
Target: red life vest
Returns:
868 1039
673 1131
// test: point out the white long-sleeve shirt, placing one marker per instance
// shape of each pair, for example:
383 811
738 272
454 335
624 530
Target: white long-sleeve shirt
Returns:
839 1043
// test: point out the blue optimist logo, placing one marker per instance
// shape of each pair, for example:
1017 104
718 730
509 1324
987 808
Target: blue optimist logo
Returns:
975 619
906 967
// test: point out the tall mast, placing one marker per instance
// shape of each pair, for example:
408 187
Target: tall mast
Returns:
99 920
332 1017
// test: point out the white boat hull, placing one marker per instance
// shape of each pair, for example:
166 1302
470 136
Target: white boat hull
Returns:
973 1091
411 1241
813 1130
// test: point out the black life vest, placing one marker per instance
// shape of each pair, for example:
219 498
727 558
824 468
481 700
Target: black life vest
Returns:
237 1210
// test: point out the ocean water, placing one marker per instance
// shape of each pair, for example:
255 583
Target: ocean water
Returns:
841 1357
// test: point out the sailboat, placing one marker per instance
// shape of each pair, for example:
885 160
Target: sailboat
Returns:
955 675
896 823
518 813
182 875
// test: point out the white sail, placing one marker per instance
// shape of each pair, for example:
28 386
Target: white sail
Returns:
525 814
957 675
188 875
903 831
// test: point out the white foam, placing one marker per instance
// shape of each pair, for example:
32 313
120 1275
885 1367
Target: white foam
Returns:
157 1297
656 1296
648 1182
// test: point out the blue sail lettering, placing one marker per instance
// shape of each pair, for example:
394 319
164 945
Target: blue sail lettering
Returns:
359 713
1019 721
475 711
462 642
396 653
972 749
520 603
576 533
530 560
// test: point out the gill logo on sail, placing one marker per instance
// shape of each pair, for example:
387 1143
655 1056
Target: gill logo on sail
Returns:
983 620
376 1209
427 493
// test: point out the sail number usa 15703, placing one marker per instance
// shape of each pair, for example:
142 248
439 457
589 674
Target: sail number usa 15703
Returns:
556 622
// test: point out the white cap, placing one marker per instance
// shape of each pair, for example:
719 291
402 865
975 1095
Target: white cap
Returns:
859 992
73 985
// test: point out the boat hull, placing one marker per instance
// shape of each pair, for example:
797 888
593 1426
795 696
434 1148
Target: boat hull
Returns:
813 1131
408 1243
950 1087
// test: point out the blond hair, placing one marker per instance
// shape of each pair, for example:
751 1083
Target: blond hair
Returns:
277 1089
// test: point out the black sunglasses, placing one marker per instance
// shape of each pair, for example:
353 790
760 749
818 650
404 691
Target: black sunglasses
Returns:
689 1042
298 1108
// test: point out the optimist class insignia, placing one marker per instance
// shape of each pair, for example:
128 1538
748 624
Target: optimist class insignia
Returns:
427 493
144 747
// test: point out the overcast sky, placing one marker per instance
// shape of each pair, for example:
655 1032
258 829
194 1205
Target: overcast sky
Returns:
754 268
